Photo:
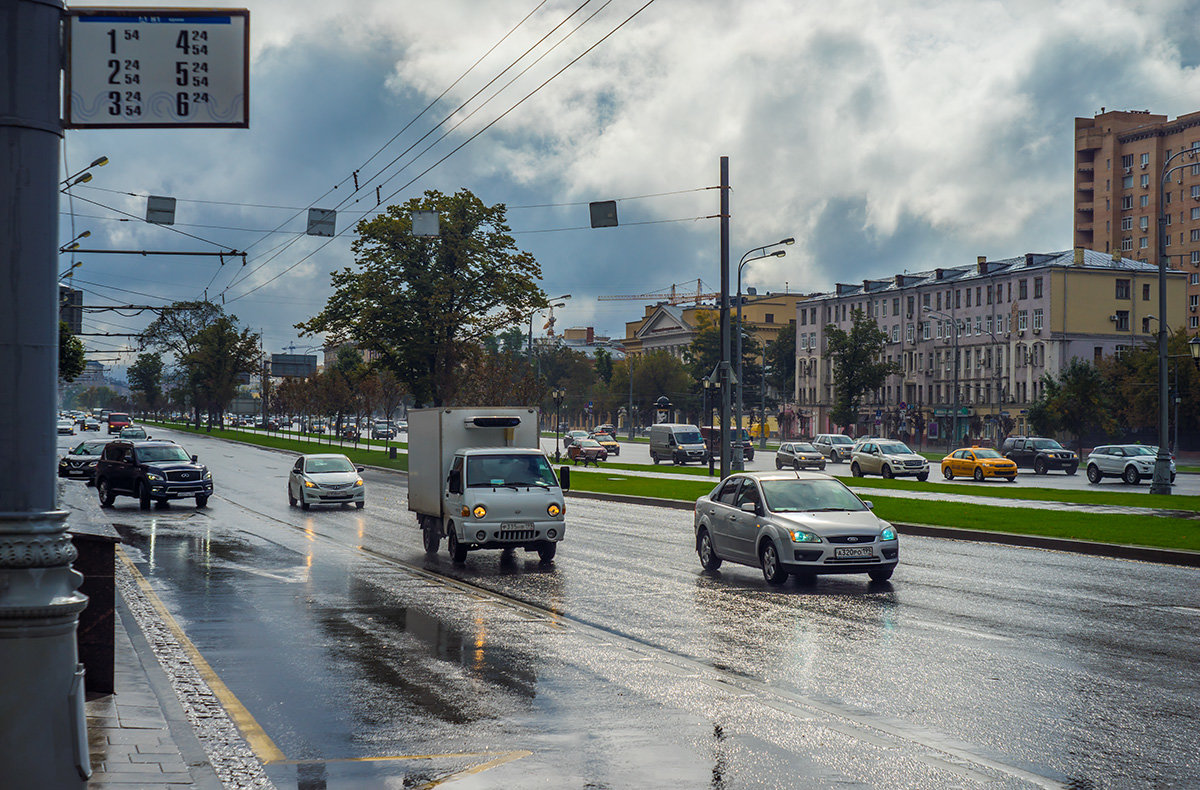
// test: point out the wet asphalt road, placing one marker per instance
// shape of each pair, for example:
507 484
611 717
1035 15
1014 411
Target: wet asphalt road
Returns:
624 665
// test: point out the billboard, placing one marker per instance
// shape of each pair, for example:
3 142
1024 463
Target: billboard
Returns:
293 365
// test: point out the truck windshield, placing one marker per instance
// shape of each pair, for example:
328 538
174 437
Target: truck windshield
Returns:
688 437
490 471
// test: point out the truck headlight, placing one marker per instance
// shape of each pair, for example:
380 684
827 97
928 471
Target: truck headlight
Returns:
479 512
207 475
155 477
553 510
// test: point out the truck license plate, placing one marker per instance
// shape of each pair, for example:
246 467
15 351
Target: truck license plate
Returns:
857 551
516 525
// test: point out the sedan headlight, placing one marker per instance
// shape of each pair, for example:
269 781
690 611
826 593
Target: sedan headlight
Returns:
553 510
153 476
479 512
800 536
889 533
309 484
358 482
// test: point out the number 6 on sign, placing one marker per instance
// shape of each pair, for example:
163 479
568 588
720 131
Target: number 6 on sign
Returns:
182 68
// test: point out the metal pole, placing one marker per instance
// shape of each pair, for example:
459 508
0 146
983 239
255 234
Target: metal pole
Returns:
629 416
738 460
762 407
1161 481
43 730
724 368
950 446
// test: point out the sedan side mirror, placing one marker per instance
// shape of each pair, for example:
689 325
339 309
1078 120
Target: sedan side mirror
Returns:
750 507
870 505
360 469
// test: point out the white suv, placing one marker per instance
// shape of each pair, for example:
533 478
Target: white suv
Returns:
1130 462
834 446
888 458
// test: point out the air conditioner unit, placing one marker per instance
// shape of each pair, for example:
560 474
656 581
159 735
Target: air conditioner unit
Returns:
1020 333
1037 330
1113 318
1143 165
1192 308
1128 170
1006 334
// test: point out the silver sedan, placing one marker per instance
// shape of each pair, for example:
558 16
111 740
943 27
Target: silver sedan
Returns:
326 479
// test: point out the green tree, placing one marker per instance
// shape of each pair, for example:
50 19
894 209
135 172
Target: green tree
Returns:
1078 402
704 352
221 353
424 304
177 330
71 360
1134 381
781 361
146 376
604 365
857 369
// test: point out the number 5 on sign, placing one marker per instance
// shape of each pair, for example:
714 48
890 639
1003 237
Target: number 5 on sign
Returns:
148 67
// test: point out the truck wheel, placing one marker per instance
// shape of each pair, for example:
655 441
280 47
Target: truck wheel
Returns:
546 550
202 500
653 457
104 491
458 552
1039 466
430 537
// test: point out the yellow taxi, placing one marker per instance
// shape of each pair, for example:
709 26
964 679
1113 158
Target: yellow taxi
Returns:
978 462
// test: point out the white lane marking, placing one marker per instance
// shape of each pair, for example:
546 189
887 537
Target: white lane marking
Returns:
1186 609
960 630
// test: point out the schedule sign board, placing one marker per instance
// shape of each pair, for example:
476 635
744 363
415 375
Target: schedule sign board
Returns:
148 67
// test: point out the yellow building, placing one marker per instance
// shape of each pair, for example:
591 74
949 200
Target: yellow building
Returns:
672 328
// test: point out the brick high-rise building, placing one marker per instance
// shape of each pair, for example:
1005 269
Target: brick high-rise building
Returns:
1119 158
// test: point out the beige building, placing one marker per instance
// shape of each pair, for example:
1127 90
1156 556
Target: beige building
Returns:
1015 320
672 328
1119 160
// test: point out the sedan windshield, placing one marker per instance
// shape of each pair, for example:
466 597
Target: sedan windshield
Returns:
895 448
163 453
490 471
805 448
797 496
316 466
987 453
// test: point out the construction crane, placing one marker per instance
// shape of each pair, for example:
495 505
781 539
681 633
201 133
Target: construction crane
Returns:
676 296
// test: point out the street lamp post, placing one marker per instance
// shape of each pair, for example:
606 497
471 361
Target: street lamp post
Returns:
954 423
560 300
558 396
1161 482
737 458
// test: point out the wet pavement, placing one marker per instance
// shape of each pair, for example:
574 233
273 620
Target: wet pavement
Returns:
363 662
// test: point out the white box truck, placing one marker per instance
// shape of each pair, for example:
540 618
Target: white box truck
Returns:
479 476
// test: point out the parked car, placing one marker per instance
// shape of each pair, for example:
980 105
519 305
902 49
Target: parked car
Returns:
1039 454
117 421
133 433
979 463
151 471
834 446
325 479
66 428
802 523
383 430
1130 462
799 455
587 451
80 462
610 445
888 458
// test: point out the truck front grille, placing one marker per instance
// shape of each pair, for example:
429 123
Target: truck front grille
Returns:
515 534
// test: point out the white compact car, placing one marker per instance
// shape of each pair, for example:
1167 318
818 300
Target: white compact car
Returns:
326 479
802 523
1130 462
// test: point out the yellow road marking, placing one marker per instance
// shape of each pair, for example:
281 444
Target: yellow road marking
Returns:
501 760
507 757
255 736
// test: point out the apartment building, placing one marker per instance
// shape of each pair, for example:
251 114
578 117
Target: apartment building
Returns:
1000 325
672 328
1119 191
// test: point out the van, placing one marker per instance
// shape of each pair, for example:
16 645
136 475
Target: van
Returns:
677 443
712 437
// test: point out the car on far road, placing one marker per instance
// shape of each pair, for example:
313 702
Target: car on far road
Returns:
401 426
383 430
799 455
88 424
587 451
608 428
834 446
606 441
979 463
1130 462
66 427
571 436
133 433
80 462
117 421
1039 454
325 479
151 471
888 458
802 523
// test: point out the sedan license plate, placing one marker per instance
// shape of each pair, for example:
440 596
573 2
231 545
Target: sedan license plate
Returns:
856 551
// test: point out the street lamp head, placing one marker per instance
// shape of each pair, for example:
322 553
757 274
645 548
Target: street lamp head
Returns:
789 241
1194 350
100 162
779 253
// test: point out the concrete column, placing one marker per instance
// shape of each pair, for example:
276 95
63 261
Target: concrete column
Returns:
43 734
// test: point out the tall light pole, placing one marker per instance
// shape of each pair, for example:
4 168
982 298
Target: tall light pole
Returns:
954 325
724 368
1161 482
737 460
558 395
550 304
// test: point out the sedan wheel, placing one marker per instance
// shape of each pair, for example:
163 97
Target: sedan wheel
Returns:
1093 474
979 474
881 574
1131 476
947 473
778 464
772 570
708 558
796 466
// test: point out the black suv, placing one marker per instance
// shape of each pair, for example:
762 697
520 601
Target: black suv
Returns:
1041 455
152 471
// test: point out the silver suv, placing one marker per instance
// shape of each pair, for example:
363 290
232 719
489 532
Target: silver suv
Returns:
834 446
888 458
1130 462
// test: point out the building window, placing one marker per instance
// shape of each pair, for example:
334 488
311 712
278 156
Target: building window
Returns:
979 325
1126 223
1022 289
925 300
1196 234
1194 280
1145 160
1037 287
1146 325
896 306
939 300
989 325
1196 192
1194 301
803 318
1037 319
1196 213
1144 222
938 332
968 297
895 333
1145 181
1127 160
1126 244
1127 182
1122 320
1195 256
1143 243
1145 292
770 318
1144 201
1193 322
1122 289
908 333
1126 202
1022 320
957 299
925 330
1119 352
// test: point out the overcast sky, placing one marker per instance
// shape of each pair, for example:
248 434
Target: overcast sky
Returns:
884 136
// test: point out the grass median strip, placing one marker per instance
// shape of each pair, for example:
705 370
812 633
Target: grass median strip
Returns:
1155 531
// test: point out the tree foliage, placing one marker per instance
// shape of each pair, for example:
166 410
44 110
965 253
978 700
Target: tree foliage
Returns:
71 359
781 360
423 305
1079 401
220 354
704 353
146 376
857 368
